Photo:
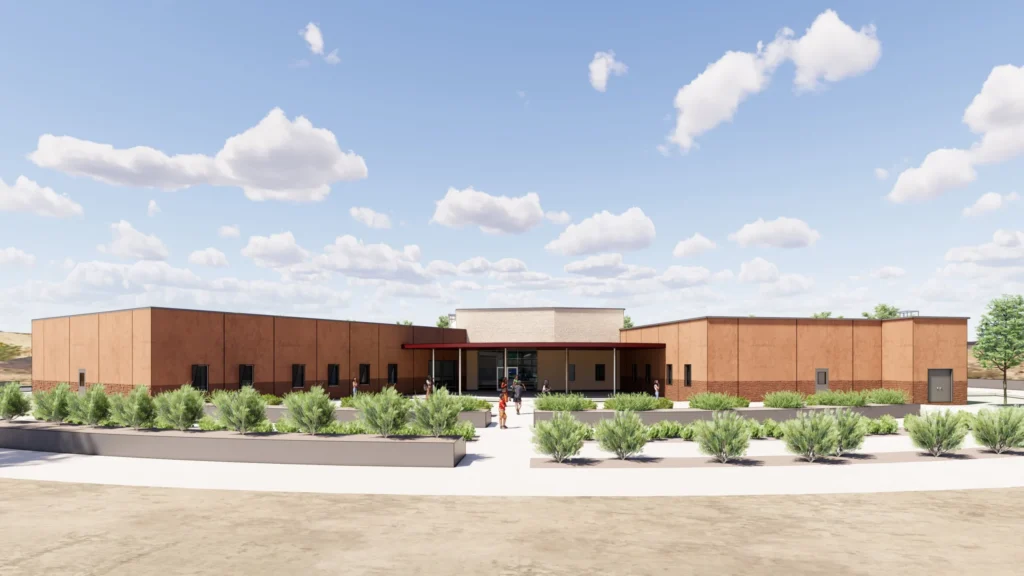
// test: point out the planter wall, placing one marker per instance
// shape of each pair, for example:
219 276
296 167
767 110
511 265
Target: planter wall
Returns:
688 415
233 447
479 418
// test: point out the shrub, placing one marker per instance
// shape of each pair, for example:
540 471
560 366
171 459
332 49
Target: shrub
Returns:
272 400
286 426
384 413
437 413
837 398
636 401
665 429
624 435
886 396
772 429
469 403
210 424
589 432
52 405
968 420
558 402
811 435
717 401
310 411
561 437
884 425
344 428
851 428
909 417
937 432
179 409
784 399
463 428
756 430
90 408
350 401
13 402
725 437
134 410
1000 429
242 410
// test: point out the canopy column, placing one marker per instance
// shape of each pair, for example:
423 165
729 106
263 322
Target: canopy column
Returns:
460 371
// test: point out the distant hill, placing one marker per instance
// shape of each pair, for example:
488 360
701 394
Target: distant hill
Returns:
18 368
974 369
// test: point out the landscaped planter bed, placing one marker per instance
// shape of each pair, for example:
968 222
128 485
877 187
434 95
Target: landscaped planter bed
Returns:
688 415
479 418
355 450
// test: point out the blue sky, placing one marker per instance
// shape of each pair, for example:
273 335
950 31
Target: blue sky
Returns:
427 98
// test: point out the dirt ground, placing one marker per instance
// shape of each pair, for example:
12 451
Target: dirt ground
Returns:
57 529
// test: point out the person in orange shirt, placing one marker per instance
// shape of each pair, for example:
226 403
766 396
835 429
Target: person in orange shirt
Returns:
502 402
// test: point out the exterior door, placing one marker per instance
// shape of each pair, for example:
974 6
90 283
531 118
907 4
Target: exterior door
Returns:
512 373
821 380
940 385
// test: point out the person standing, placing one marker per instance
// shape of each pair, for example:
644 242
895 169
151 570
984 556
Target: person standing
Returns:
428 386
355 387
657 388
517 395
502 402
545 389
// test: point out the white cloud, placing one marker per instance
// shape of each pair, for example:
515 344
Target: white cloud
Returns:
275 251
464 285
333 57
27 196
152 209
881 173
492 214
560 218
1006 247
481 265
602 66
989 202
829 50
370 218
441 268
130 243
208 257
888 272
723 275
788 285
278 159
684 276
606 232
779 233
16 256
351 257
758 270
311 34
997 115
228 231
692 246
608 266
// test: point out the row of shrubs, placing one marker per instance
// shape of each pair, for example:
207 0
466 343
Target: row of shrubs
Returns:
559 402
465 403
811 436
387 413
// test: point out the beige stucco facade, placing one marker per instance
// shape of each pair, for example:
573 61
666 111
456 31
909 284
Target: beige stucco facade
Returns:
540 324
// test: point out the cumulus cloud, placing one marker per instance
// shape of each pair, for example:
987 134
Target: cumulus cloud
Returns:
351 257
758 270
997 116
779 233
153 209
606 232
602 66
1006 247
561 217
788 285
275 251
492 214
830 50
881 173
481 265
208 257
15 256
228 231
333 57
130 243
685 276
278 159
27 196
692 246
888 272
608 266
441 268
312 35
370 218
990 202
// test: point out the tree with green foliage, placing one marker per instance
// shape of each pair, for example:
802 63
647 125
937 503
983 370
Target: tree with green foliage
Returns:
821 315
443 321
882 312
1000 332
627 322
404 322
13 402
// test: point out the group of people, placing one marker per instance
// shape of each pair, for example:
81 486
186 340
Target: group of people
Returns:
517 397
428 386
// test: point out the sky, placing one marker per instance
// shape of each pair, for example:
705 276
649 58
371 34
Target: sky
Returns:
396 161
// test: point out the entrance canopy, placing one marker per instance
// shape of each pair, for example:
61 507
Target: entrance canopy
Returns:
538 346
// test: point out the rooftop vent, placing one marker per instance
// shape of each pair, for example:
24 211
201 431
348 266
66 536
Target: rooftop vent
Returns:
909 313
451 320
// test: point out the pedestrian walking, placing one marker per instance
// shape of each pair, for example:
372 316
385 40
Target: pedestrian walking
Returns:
502 402
517 395
355 387
428 386
657 388
545 388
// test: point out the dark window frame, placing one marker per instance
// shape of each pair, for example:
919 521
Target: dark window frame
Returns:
81 379
298 376
687 375
633 373
599 372
364 378
572 372
647 373
333 375
241 374
204 370
668 374
393 374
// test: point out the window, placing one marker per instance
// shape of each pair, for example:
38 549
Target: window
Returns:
572 372
668 374
633 372
298 375
647 373
333 374
364 373
81 379
200 373
245 375
599 372
392 373
686 375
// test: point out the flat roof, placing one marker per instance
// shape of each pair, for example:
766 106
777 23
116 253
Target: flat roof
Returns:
858 319
515 309
538 345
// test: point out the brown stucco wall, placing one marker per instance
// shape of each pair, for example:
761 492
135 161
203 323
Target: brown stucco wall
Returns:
115 350
142 347
390 352
294 343
898 355
867 354
85 352
249 339
332 347
824 344
767 356
723 355
182 338
364 350
940 343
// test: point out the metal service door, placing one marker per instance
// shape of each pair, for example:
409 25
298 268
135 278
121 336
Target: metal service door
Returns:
821 380
940 385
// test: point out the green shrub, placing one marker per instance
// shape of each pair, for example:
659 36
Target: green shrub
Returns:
13 402
210 424
90 408
784 399
886 396
938 432
558 402
588 432
884 425
134 410
469 403
52 405
624 435
968 420
561 437
837 398
909 417
286 426
811 436
772 429
665 429
350 401
851 428
462 428
756 430
717 401
311 411
726 437
637 402
384 413
272 400
179 409
242 410
437 413
1000 430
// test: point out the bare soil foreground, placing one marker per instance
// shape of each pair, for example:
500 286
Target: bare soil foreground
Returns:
58 529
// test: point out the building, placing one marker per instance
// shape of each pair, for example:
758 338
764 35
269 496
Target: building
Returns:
574 349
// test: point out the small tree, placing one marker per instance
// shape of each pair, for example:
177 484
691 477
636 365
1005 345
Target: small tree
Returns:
90 408
882 312
384 413
1000 342
240 411
627 322
624 435
52 405
180 408
437 413
310 411
821 315
561 437
13 402
444 321
135 410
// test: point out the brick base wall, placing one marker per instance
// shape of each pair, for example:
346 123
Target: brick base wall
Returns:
47 385
859 385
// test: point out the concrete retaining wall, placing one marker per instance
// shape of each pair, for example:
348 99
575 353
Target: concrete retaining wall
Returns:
233 447
479 418
687 415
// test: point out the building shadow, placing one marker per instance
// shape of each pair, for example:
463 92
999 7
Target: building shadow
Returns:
470 459
10 458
